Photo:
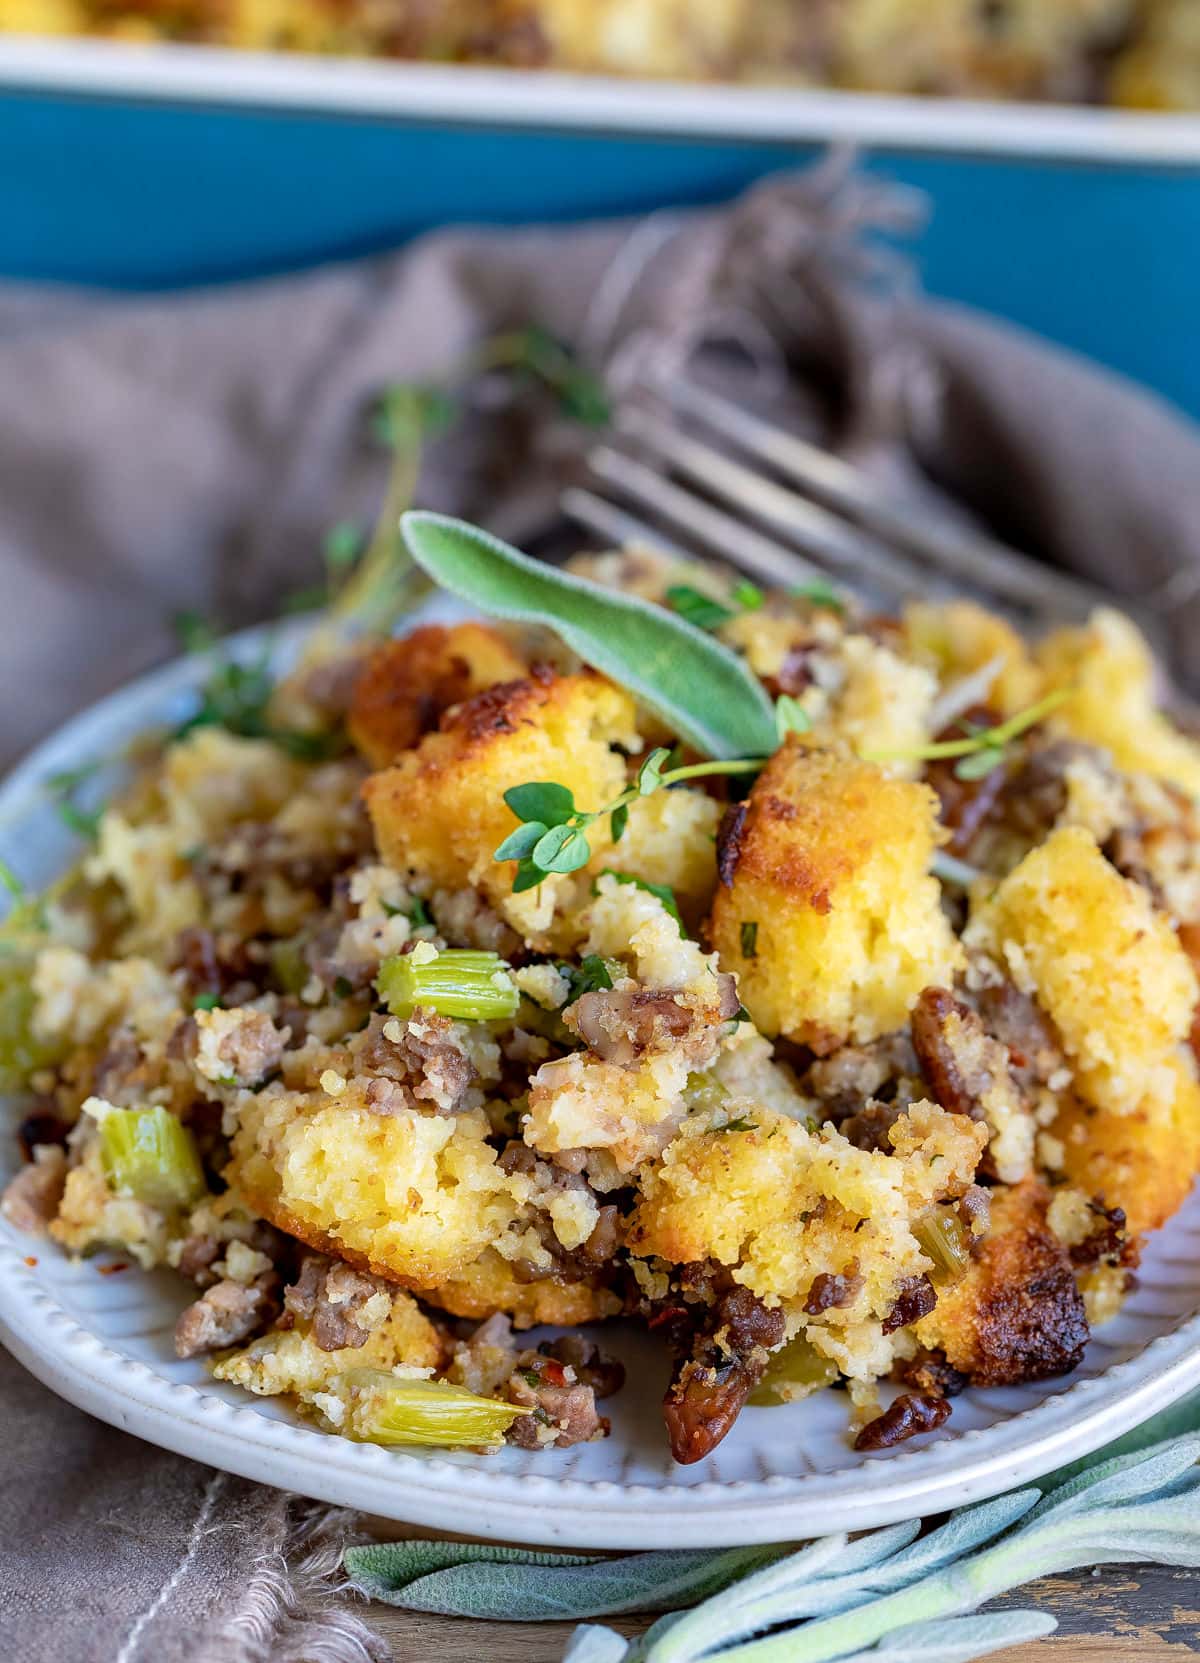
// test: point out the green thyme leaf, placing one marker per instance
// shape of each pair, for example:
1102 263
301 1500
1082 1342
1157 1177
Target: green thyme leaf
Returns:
618 820
528 876
790 716
980 764
698 608
418 914
194 632
542 800
206 1002
651 772
749 935
741 1123
748 596
818 591
561 849
83 822
663 891
521 842
342 546
705 692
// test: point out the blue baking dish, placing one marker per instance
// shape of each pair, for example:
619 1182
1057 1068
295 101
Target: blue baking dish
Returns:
136 168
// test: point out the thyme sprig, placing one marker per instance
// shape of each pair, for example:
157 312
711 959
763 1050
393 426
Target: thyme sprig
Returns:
553 833
983 748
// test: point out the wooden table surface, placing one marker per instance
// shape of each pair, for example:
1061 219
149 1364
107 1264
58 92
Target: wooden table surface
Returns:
1117 1615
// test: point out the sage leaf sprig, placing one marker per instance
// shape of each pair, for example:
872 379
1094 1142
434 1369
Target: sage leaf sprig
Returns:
840 1600
478 1579
889 1596
699 687
553 834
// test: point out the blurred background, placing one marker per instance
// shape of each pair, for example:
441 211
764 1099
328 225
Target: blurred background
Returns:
174 142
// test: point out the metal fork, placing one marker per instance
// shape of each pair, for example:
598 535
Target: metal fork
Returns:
785 512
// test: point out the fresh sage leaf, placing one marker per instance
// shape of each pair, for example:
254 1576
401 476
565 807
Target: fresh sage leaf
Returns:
513 1585
543 800
591 1644
699 687
521 842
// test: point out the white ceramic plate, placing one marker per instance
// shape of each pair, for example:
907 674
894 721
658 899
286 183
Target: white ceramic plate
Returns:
104 1342
478 95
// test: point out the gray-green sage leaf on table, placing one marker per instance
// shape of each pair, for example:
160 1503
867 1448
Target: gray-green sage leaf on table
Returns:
501 1584
889 1596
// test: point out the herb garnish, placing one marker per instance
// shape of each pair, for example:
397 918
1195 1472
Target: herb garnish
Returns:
661 891
820 592
790 717
984 748
749 938
742 1123
64 788
552 836
592 974
698 608
705 692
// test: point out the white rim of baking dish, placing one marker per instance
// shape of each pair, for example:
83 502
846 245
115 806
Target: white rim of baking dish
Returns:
476 95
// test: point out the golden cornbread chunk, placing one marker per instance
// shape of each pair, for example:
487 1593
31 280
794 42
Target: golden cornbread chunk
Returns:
827 911
490 1284
1143 1162
783 1205
1104 966
1017 1314
1110 671
412 1197
440 809
959 638
290 1360
406 685
671 839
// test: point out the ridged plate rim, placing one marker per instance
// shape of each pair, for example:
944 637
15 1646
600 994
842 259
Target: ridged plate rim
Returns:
475 1494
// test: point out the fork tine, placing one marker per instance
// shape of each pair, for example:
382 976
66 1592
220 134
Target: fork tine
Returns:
834 542
740 544
983 562
614 525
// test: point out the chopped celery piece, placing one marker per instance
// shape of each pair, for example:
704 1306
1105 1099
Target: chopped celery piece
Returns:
705 1092
794 1371
458 982
382 1409
149 1155
944 1238
22 1053
289 967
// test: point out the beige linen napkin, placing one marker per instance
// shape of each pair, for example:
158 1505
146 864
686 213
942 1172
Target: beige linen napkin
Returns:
188 451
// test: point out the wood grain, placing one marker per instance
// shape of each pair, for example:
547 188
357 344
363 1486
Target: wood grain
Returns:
1118 1615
